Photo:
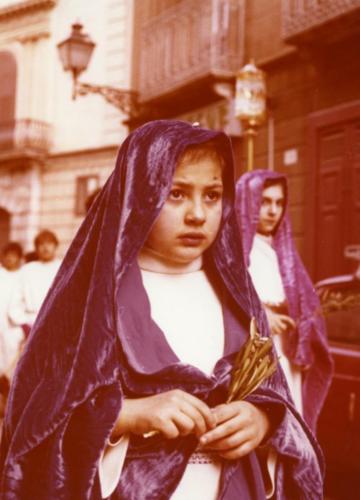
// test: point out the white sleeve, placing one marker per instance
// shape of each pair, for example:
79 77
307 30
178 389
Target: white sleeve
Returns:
111 464
18 313
268 460
271 469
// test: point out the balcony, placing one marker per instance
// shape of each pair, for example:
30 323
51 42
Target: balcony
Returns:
189 47
25 137
319 21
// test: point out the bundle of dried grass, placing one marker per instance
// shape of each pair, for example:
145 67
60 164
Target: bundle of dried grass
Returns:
253 364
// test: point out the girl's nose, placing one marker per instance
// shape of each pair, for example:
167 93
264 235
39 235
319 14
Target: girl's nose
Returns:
273 208
195 213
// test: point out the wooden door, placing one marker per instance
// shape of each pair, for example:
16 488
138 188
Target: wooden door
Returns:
334 217
354 228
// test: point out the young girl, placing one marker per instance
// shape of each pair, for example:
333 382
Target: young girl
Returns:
285 289
121 390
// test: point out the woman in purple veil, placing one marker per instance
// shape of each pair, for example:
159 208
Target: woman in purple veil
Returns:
262 199
106 343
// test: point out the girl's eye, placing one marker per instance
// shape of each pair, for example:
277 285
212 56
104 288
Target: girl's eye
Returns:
213 195
176 194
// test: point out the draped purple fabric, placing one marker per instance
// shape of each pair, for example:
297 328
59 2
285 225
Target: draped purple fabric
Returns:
94 342
307 345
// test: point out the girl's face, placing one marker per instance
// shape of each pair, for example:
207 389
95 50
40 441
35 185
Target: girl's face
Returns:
271 209
190 218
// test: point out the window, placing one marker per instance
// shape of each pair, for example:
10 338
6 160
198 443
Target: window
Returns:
85 186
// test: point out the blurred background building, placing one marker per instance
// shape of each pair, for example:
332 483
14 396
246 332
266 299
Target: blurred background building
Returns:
55 151
182 57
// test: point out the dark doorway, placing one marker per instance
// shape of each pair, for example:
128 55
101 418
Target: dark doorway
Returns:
335 178
4 227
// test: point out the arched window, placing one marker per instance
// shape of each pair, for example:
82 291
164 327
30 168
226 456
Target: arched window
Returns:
7 98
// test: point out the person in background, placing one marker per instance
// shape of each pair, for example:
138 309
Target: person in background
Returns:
35 279
121 391
30 256
11 259
285 289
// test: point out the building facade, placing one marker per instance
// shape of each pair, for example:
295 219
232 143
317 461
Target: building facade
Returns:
186 68
182 56
55 151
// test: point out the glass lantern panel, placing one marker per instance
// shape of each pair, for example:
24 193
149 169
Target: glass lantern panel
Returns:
80 54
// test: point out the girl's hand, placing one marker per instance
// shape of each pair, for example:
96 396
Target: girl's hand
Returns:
279 323
173 413
241 427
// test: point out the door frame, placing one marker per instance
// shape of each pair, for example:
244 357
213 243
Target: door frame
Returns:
315 122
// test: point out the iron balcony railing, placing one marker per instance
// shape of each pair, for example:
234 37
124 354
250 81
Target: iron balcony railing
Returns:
26 134
301 17
190 41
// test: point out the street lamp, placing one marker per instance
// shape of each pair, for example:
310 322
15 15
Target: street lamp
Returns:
250 104
75 53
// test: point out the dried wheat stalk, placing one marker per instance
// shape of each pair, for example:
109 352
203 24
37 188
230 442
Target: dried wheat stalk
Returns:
253 364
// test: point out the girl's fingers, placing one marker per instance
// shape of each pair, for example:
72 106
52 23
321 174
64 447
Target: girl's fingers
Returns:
223 430
237 452
199 425
290 322
286 321
189 413
225 411
184 424
203 409
168 429
231 442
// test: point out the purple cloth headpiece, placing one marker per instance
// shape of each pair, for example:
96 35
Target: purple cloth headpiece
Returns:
307 345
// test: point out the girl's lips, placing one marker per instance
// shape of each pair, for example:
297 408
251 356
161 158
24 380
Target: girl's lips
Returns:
192 239
270 221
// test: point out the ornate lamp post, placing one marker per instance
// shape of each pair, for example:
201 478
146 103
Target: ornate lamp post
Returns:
250 104
75 54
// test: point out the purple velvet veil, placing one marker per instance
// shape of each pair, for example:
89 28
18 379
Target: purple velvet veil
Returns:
90 343
307 345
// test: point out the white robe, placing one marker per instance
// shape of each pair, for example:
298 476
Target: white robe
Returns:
35 280
189 313
265 274
10 336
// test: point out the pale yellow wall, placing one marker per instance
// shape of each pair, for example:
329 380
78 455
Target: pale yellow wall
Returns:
44 90
79 128
90 122
58 194
8 3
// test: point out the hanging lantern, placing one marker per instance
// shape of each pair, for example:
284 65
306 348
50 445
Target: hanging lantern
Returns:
250 98
250 104
75 52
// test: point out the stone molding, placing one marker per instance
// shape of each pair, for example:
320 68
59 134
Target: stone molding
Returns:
24 8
